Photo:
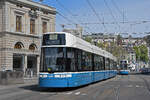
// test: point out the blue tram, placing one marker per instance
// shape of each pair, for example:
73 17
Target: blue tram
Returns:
69 61
124 67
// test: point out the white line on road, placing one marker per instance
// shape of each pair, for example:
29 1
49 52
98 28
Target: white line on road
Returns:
69 93
137 86
83 94
77 93
129 86
47 93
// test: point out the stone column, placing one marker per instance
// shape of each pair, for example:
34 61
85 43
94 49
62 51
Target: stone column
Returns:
38 64
25 64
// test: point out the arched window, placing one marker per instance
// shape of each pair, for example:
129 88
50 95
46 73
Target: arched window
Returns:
19 45
32 47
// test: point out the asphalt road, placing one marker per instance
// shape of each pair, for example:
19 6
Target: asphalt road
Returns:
131 87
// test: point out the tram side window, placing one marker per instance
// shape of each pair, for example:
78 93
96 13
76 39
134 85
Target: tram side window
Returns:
96 63
89 61
111 65
83 67
114 65
101 63
107 64
70 60
79 59
86 61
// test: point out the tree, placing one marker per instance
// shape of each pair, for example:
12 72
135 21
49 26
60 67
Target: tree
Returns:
101 45
117 50
137 52
119 40
88 39
141 53
144 53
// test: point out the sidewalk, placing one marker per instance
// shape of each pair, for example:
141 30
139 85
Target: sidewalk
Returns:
30 80
27 81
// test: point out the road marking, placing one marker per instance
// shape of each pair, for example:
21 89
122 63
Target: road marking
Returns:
116 89
137 86
83 94
77 93
69 93
47 93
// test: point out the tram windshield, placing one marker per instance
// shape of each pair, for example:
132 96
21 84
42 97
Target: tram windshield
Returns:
54 39
53 59
123 65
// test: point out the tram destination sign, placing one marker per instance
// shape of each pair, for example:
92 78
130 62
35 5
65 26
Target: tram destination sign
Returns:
53 37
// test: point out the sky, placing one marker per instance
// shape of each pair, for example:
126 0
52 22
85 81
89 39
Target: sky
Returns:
118 16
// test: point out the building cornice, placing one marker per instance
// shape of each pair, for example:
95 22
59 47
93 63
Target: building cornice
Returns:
22 34
35 5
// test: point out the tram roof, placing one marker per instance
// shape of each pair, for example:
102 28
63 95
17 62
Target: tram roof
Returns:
76 42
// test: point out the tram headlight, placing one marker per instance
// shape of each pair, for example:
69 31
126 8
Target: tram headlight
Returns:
43 76
57 76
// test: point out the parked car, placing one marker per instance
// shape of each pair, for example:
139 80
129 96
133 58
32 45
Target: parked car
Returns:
144 70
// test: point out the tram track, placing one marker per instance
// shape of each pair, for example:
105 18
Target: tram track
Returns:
146 83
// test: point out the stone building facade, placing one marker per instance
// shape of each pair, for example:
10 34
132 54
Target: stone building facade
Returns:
22 22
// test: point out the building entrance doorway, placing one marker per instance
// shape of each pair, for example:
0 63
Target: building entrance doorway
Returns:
18 62
32 64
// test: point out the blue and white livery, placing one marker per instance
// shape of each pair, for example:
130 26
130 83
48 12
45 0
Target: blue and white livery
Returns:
124 70
69 61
